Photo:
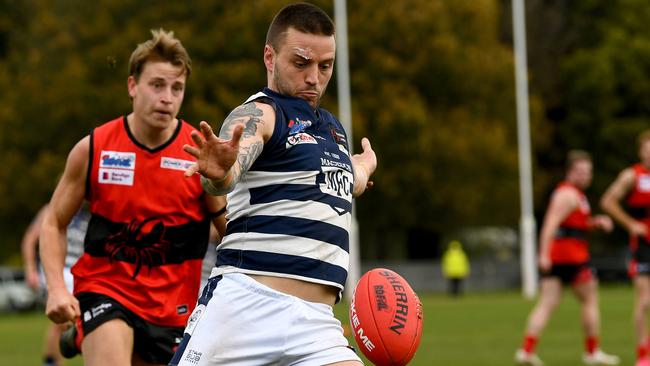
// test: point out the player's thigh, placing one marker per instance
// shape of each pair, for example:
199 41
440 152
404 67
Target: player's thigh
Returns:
550 291
586 292
109 344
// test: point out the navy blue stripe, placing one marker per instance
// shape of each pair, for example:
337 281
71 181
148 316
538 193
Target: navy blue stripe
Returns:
282 263
206 295
179 351
298 192
294 226
208 290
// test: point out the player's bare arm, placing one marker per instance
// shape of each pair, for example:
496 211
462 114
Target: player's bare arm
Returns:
217 207
562 203
28 247
611 203
223 160
251 116
364 166
67 198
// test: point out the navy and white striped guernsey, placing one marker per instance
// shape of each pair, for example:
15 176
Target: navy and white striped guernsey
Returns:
289 215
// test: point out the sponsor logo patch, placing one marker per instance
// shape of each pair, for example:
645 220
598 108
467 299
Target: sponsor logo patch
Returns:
644 183
297 125
300 138
175 164
117 159
194 318
116 176
96 311
181 309
193 356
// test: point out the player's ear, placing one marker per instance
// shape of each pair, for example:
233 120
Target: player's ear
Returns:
131 82
269 57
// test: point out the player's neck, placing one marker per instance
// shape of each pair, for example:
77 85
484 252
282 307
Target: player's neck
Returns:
148 135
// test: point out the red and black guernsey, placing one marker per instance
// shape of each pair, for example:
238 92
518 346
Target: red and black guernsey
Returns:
638 200
570 244
149 227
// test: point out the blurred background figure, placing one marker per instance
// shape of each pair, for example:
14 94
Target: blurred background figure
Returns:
632 186
36 280
564 259
455 267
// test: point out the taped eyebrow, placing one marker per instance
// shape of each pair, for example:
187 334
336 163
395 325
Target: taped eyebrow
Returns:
304 53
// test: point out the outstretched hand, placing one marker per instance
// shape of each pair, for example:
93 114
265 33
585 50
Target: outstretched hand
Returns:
214 156
367 161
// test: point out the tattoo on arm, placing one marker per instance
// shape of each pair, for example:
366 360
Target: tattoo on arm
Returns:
246 158
248 114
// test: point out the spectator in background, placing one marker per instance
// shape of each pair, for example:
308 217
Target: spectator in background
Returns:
36 280
564 259
455 267
633 186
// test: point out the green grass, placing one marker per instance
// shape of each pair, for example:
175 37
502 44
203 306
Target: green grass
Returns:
478 329
485 329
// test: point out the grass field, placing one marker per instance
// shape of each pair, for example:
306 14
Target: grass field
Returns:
478 329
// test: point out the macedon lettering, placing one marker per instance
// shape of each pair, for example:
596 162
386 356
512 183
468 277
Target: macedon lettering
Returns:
338 164
400 319
132 244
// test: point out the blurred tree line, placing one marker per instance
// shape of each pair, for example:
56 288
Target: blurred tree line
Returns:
432 86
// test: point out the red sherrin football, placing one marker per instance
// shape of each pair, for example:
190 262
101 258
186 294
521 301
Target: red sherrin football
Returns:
386 318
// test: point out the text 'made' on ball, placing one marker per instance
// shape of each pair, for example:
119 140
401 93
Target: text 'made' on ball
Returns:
386 318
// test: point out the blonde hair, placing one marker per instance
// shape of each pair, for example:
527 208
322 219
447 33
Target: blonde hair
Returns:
163 46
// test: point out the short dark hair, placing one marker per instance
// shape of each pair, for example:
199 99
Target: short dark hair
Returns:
303 17
574 156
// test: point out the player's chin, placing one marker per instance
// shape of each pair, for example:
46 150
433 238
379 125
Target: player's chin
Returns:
162 120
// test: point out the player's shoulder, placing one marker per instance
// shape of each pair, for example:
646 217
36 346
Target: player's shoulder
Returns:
567 192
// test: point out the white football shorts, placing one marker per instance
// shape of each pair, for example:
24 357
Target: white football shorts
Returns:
240 322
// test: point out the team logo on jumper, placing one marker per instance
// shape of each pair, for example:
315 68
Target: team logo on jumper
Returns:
337 181
175 164
298 125
141 243
117 159
299 139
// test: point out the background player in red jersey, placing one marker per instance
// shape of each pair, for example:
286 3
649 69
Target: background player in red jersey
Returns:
633 184
137 281
36 279
564 259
